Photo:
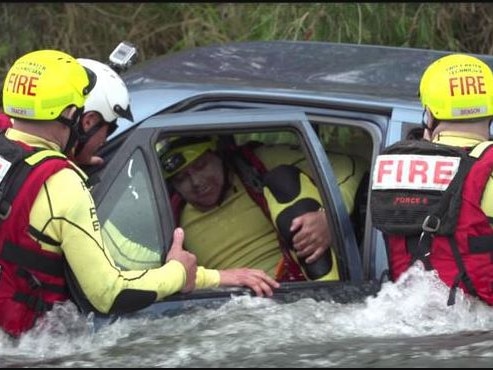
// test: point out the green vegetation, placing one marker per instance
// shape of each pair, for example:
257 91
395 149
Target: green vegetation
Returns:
93 29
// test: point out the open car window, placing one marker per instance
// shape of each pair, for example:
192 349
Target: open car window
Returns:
259 180
153 221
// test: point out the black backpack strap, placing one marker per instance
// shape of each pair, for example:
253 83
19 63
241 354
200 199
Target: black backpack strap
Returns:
22 162
444 218
10 187
14 155
461 276
416 247
34 302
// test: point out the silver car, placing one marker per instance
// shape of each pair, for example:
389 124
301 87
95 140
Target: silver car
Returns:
349 99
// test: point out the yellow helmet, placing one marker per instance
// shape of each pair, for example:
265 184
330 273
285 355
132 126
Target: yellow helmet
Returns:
457 87
41 84
177 153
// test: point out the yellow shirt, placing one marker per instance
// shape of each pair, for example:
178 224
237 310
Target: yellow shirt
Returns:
237 233
468 140
64 210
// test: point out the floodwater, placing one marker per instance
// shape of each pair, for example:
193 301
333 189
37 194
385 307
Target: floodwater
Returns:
408 324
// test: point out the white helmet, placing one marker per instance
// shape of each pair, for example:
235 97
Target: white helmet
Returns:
109 97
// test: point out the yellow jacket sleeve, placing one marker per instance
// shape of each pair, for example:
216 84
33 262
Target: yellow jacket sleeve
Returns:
207 278
130 254
64 210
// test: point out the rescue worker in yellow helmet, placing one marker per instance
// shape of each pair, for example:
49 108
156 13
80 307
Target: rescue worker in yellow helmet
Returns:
48 220
108 100
455 236
231 222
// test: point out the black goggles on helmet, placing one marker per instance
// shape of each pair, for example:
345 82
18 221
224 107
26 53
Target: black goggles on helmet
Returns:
173 162
92 77
176 154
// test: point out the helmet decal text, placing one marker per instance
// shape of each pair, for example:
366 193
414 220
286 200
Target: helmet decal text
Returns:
467 85
22 84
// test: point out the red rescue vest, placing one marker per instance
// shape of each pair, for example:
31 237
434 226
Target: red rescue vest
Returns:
426 199
5 122
31 279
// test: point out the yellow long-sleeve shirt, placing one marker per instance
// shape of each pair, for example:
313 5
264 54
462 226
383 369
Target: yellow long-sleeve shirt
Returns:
64 210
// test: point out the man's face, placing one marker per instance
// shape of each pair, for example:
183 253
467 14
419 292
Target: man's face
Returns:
201 182
92 123
86 155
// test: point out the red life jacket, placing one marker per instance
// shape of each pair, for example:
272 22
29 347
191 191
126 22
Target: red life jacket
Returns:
249 167
31 279
437 218
5 122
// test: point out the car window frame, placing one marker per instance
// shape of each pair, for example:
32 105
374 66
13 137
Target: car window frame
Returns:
375 120
144 135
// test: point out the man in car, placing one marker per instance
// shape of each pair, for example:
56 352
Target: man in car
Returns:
48 218
279 227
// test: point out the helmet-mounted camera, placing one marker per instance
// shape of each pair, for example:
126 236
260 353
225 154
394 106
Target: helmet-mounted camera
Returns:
123 56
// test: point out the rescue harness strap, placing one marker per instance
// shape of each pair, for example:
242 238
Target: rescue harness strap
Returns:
461 276
421 247
31 260
44 238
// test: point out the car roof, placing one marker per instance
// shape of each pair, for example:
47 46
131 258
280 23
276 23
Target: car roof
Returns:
295 65
371 77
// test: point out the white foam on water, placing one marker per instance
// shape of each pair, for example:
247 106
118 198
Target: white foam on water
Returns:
415 306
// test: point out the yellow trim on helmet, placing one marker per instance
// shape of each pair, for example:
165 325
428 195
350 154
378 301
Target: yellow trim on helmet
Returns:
457 87
177 158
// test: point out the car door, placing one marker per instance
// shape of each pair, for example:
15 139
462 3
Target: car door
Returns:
132 194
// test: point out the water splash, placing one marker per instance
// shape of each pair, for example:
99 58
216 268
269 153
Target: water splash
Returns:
407 313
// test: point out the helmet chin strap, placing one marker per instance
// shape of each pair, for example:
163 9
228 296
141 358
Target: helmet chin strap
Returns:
72 138
74 127
429 122
85 136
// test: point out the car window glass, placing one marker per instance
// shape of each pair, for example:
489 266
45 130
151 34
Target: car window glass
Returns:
130 229
346 140
268 138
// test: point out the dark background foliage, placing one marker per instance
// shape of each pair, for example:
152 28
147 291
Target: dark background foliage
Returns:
92 30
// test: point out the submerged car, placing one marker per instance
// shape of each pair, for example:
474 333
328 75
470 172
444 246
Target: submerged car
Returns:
320 97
